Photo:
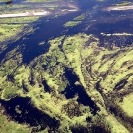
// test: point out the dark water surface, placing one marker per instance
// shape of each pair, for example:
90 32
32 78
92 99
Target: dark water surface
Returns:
96 22
29 114
99 21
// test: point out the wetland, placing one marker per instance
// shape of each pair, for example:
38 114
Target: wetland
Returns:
68 71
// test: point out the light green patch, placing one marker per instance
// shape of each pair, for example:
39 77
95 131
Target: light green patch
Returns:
124 3
72 23
9 126
80 17
8 31
127 104
98 69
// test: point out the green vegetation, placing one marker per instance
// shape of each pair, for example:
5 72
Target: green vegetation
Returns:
80 17
9 126
7 31
126 105
77 20
72 23
90 63
11 31
124 3
5 0
87 88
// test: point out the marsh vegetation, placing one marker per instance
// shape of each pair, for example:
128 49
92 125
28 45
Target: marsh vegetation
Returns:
65 72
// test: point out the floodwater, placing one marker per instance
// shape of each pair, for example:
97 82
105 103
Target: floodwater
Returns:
97 21
29 114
